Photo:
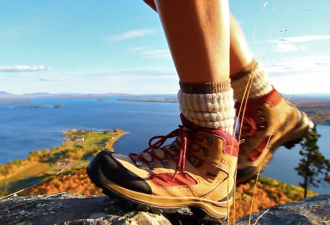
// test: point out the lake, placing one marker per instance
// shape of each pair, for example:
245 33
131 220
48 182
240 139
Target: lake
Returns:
26 129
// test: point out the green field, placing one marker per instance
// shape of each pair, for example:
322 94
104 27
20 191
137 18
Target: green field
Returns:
47 167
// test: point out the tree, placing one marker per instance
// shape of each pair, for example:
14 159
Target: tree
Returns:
313 166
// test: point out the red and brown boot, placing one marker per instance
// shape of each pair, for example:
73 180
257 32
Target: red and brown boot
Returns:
268 122
196 170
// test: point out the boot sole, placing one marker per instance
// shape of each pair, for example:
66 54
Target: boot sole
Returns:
301 131
205 210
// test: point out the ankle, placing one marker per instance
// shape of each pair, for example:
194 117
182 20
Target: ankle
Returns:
208 105
252 82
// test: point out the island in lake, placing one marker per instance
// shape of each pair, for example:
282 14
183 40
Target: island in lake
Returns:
37 106
30 106
166 100
10 102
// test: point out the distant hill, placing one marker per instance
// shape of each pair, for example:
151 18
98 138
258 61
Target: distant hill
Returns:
308 97
6 95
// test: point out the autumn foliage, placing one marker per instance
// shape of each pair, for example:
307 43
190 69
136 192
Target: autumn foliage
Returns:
17 165
267 193
318 111
76 182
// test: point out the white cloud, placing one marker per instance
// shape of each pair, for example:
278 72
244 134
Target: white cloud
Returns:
302 38
263 7
129 34
301 65
157 53
280 47
18 69
64 78
61 79
136 49
143 72
300 75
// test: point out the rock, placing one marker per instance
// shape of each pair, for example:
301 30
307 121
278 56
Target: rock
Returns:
73 209
70 209
313 210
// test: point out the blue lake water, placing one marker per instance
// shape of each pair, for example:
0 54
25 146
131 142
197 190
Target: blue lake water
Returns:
26 129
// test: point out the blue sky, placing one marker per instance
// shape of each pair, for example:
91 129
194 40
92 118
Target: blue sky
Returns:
119 46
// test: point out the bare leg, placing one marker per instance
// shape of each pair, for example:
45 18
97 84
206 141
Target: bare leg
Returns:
240 53
198 36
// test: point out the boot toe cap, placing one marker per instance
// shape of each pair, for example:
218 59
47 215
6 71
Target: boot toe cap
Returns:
105 167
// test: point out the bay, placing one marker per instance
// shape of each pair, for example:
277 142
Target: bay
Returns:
26 129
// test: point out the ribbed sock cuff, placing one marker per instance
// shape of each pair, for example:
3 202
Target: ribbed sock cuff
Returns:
253 79
205 88
207 108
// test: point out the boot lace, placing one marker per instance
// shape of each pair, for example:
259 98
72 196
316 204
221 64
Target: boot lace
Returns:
179 156
251 122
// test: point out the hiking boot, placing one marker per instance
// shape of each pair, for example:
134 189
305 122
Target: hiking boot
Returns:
269 122
196 170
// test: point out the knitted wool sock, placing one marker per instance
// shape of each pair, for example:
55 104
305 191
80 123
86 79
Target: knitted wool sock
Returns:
208 105
260 85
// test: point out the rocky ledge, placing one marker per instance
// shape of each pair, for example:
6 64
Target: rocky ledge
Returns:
71 209
313 210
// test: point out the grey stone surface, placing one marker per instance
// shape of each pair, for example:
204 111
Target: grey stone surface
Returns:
313 210
72 209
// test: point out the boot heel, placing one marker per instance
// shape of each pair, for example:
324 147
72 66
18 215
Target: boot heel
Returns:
290 144
203 216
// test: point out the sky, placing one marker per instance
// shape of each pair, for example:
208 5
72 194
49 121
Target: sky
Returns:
112 46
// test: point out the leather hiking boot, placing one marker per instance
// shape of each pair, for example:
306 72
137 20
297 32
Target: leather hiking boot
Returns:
269 122
196 170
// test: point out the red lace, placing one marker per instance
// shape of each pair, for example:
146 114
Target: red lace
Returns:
248 124
181 159
249 127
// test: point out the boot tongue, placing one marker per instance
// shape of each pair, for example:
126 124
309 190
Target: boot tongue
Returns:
187 123
273 97
193 126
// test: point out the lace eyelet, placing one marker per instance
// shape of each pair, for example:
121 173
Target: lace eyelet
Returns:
209 140
165 163
152 165
196 162
138 163
211 174
205 151
172 148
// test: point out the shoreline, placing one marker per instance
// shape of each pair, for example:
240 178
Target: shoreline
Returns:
77 147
